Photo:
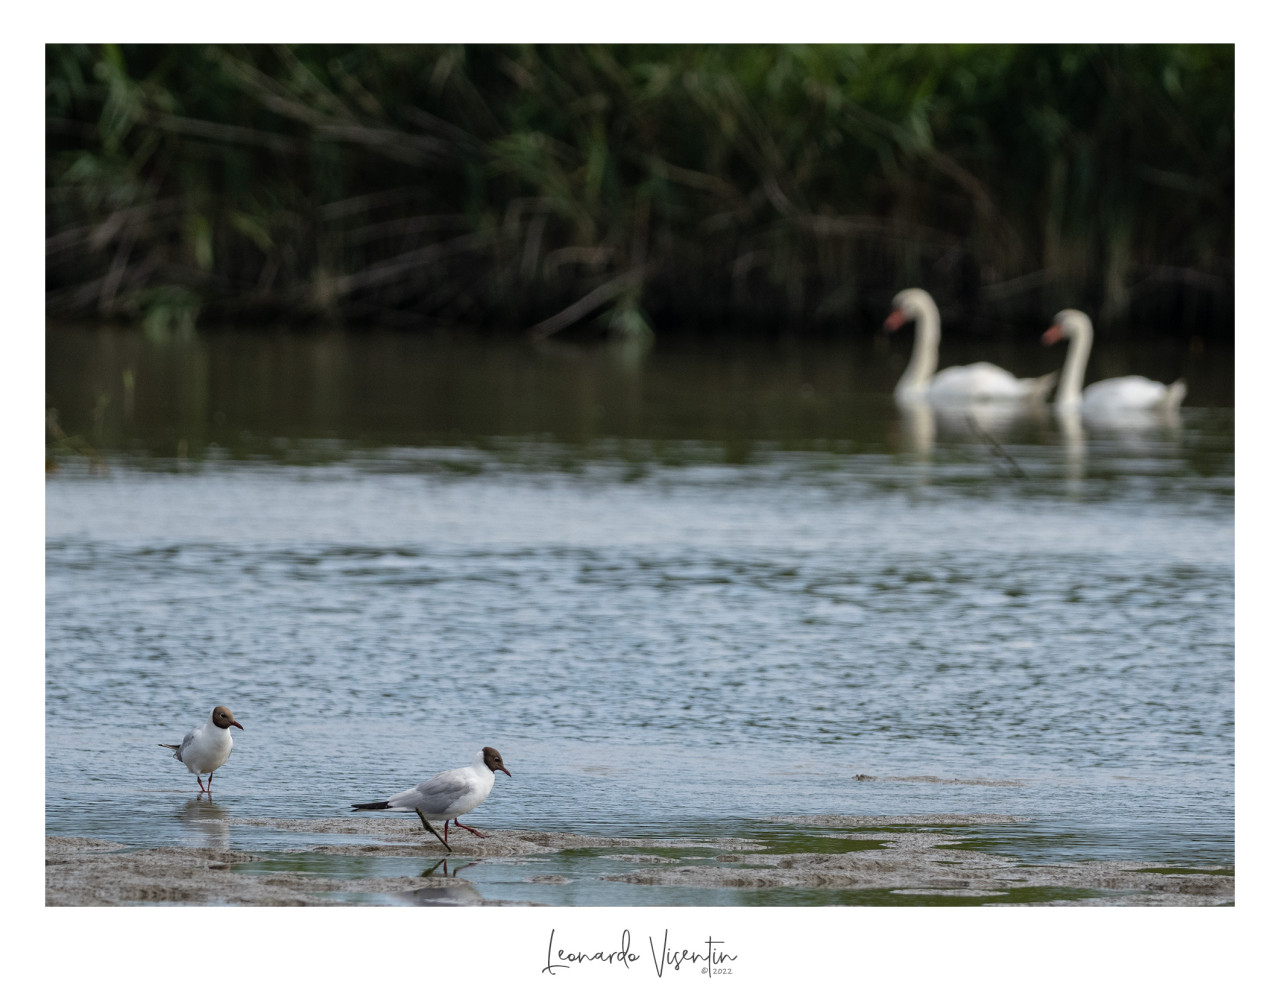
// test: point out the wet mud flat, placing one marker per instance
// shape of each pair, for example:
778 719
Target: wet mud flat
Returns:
830 859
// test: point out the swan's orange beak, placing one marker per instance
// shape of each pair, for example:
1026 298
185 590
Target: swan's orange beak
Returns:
895 320
1052 335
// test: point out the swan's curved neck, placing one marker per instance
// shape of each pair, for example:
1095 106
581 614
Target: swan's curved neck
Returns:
924 354
1073 368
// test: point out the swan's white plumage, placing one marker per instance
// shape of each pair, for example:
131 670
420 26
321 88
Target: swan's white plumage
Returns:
1110 396
957 386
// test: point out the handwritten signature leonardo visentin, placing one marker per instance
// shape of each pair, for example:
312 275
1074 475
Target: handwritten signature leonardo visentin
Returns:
709 959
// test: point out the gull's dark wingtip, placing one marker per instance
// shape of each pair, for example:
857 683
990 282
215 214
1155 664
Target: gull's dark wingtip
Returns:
373 805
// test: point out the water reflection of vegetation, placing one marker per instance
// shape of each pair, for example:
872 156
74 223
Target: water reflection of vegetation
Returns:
317 399
515 185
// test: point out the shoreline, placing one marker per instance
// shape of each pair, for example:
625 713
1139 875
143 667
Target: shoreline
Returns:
875 860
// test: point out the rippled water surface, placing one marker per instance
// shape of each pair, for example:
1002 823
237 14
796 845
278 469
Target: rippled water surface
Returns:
664 635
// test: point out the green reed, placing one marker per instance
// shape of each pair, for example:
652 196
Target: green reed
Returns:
542 187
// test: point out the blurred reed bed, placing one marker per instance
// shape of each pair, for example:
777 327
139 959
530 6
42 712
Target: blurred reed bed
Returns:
543 188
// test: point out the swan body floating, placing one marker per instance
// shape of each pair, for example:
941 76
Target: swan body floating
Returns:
1111 396
958 386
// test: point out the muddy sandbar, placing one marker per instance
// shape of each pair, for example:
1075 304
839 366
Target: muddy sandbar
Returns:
861 859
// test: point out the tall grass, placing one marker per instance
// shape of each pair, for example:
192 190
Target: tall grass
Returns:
539 187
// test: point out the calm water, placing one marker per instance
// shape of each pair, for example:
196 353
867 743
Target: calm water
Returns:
680 593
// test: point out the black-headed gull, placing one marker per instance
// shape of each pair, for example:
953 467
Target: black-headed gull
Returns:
448 795
207 747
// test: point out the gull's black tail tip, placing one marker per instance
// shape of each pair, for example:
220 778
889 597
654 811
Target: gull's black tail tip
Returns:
373 805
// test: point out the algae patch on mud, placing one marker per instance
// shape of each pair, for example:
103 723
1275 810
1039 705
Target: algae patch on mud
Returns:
809 860
939 868
893 821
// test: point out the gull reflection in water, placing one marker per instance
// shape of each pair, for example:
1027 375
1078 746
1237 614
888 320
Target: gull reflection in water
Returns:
208 822
462 893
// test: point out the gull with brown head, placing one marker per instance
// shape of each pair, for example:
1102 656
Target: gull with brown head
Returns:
206 747
447 795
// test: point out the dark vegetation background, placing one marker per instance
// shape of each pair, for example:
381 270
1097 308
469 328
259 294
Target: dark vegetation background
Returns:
678 187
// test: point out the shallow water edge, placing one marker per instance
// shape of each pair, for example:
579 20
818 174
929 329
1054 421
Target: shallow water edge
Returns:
814 860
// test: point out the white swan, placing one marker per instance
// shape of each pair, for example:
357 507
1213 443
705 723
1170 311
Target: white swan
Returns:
1111 395
958 386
